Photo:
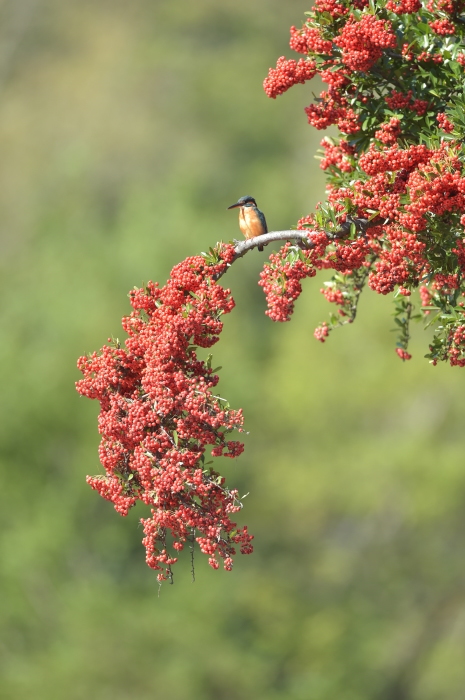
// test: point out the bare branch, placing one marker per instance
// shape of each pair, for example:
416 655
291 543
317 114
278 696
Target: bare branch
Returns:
302 237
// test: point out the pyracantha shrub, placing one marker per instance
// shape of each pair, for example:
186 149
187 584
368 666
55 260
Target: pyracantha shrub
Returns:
394 220
160 413
395 212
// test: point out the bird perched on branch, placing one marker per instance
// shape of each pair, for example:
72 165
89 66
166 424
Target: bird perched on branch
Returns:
252 221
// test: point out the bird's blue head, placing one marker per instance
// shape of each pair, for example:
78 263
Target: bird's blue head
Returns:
246 201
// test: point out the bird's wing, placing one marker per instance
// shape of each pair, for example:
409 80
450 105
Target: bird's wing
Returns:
263 220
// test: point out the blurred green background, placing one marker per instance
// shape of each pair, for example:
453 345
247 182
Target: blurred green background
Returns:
126 129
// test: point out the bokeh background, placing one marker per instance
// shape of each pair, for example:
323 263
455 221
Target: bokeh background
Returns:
126 129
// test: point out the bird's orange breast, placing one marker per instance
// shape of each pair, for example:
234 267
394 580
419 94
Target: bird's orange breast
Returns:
250 223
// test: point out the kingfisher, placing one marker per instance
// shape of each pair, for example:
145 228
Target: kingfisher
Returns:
252 221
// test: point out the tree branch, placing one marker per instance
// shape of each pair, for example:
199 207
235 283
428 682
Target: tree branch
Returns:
303 237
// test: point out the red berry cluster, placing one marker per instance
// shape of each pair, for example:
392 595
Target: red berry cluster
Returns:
321 332
429 57
444 123
443 27
362 41
381 160
425 296
333 109
396 191
403 7
399 262
309 40
338 155
397 100
456 349
446 6
160 412
286 74
280 278
332 7
390 132
403 354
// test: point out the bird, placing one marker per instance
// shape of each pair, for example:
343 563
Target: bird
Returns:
252 221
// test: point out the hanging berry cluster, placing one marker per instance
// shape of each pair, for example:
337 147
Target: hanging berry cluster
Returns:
395 211
160 412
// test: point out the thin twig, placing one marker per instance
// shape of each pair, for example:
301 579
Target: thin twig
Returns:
192 548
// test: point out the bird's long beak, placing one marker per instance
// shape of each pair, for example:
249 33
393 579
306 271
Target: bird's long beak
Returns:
237 204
